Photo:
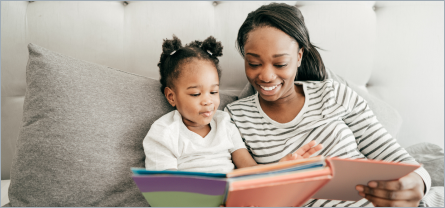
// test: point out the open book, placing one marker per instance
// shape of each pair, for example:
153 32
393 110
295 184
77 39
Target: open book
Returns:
283 184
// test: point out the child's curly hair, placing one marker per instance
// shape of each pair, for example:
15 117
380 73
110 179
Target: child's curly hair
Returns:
174 55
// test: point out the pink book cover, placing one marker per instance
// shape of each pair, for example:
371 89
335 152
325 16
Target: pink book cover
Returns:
347 173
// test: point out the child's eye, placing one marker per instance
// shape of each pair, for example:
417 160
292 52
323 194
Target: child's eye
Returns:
195 95
215 92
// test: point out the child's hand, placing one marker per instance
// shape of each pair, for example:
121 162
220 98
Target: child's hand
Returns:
304 152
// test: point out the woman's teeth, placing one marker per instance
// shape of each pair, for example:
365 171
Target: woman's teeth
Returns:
268 88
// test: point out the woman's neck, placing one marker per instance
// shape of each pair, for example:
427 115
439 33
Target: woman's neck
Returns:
284 109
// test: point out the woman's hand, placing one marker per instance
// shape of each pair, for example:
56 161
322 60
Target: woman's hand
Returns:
303 152
404 192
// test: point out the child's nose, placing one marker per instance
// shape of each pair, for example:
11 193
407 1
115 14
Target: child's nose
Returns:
206 101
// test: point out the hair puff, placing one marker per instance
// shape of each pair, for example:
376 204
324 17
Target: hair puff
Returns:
171 45
215 47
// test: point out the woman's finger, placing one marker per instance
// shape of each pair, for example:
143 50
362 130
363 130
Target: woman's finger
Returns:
392 195
312 150
305 148
407 182
379 202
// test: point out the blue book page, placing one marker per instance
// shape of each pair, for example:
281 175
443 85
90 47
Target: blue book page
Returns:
143 171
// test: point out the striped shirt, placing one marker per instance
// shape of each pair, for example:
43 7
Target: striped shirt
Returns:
332 115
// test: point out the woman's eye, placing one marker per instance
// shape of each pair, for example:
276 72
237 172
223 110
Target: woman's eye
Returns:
215 92
253 65
281 65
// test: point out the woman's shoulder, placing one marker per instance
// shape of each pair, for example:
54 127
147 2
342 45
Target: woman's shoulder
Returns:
328 83
244 102
328 91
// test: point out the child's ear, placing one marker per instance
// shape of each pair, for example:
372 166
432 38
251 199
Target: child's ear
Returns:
170 95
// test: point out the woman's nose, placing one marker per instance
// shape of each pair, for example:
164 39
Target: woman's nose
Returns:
267 74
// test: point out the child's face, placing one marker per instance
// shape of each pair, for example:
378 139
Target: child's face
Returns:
195 93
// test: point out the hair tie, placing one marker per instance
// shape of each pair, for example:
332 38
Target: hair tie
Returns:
209 52
173 52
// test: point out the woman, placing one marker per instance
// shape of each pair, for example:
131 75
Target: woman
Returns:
294 104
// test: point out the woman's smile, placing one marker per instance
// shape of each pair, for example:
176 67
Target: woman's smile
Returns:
269 89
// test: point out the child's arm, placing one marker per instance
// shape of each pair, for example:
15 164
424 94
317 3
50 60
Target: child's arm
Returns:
160 147
242 158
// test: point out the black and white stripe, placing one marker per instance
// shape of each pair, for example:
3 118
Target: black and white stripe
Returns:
334 116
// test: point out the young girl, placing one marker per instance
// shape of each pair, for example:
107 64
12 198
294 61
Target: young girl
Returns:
196 136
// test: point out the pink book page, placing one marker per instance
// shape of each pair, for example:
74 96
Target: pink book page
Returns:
270 167
347 173
276 179
280 194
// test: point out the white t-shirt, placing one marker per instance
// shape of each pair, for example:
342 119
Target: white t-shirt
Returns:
169 144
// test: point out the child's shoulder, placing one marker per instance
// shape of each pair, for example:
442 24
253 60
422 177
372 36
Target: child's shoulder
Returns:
168 119
223 121
221 116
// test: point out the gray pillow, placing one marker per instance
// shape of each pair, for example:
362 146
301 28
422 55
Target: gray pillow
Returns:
431 156
83 127
386 115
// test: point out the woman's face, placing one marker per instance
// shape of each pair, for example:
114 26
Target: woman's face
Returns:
271 61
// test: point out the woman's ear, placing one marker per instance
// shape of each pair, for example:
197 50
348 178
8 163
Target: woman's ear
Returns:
170 95
300 56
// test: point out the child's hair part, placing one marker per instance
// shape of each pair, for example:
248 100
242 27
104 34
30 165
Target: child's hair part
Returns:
288 19
174 55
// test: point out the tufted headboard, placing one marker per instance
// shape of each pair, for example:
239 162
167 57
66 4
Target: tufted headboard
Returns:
393 50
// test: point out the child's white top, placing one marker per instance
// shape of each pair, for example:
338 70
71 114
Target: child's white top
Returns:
169 144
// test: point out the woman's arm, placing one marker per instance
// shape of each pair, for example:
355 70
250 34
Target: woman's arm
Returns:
375 142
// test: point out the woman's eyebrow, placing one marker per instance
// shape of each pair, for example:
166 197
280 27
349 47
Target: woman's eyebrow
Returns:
274 56
281 54
252 54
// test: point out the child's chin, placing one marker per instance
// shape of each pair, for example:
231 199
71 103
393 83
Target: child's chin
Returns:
206 121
